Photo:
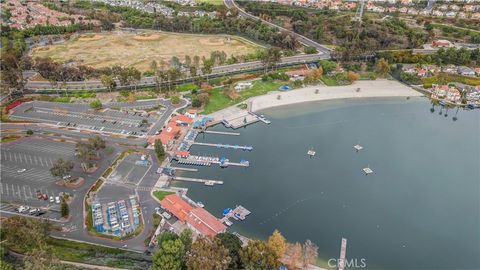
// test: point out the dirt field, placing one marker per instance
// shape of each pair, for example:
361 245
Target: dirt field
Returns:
138 50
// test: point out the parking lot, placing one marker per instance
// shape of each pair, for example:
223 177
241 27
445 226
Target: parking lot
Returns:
26 169
79 116
130 170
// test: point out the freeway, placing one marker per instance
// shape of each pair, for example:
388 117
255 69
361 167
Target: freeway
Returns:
302 39
216 72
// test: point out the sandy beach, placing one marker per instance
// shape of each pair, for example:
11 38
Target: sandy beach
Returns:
376 88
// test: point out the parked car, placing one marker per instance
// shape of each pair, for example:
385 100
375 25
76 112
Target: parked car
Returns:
22 209
166 215
57 199
21 170
52 199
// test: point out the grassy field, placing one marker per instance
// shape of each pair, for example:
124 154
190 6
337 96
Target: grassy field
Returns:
444 78
213 2
138 50
219 101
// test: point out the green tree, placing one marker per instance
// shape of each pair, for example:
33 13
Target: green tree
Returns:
61 168
175 99
64 209
186 237
234 245
258 255
159 151
26 233
97 143
96 104
208 253
108 81
29 132
169 256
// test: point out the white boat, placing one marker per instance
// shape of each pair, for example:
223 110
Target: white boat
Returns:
311 152
200 204
228 223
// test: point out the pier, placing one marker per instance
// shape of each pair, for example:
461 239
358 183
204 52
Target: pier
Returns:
206 182
222 132
184 169
239 213
227 146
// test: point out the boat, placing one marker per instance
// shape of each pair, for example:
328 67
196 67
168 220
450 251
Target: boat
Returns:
200 204
228 223
311 152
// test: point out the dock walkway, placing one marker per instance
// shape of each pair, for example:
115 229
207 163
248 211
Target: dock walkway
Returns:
222 132
207 182
239 213
228 146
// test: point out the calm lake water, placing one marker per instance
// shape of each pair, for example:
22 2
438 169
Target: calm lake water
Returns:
419 210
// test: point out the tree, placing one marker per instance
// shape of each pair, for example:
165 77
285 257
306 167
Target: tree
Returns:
169 256
196 103
382 67
108 81
159 151
257 255
29 132
166 236
327 65
175 99
97 143
186 238
26 233
208 253
96 104
353 76
276 242
310 253
64 209
293 256
61 168
234 245
85 151
207 67
41 258
131 97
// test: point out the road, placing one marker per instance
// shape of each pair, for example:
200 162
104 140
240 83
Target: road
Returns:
150 81
302 39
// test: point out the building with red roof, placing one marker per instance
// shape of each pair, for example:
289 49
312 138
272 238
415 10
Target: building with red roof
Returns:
181 119
177 206
202 222
198 219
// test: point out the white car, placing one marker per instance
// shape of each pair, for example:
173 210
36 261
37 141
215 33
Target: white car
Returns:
21 170
22 209
52 199
57 199
166 215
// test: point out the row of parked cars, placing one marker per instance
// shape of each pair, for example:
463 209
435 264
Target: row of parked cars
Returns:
45 197
30 211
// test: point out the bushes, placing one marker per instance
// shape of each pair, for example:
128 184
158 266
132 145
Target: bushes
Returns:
281 76
96 104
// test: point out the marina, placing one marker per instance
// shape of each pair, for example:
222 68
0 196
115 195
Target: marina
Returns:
222 132
208 161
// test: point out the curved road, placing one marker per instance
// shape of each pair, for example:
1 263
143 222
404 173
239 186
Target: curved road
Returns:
302 39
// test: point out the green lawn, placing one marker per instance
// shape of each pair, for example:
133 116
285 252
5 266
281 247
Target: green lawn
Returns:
160 194
219 101
330 81
187 87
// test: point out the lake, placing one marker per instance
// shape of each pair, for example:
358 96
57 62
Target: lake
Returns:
420 209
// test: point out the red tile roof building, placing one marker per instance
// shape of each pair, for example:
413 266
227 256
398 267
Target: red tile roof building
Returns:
177 206
201 221
198 219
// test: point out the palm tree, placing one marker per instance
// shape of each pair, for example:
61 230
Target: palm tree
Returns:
446 111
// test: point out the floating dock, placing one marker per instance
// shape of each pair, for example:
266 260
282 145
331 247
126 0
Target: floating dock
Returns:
184 169
239 213
227 146
222 132
208 161
206 182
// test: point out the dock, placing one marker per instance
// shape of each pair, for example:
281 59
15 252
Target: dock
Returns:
184 169
206 182
222 132
208 161
227 146
239 213
343 254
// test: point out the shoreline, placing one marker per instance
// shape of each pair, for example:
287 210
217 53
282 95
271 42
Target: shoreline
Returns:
368 89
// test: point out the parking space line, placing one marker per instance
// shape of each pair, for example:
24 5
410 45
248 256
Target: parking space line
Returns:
36 161
30 157
24 192
26 161
41 161
30 191
14 155
6 187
